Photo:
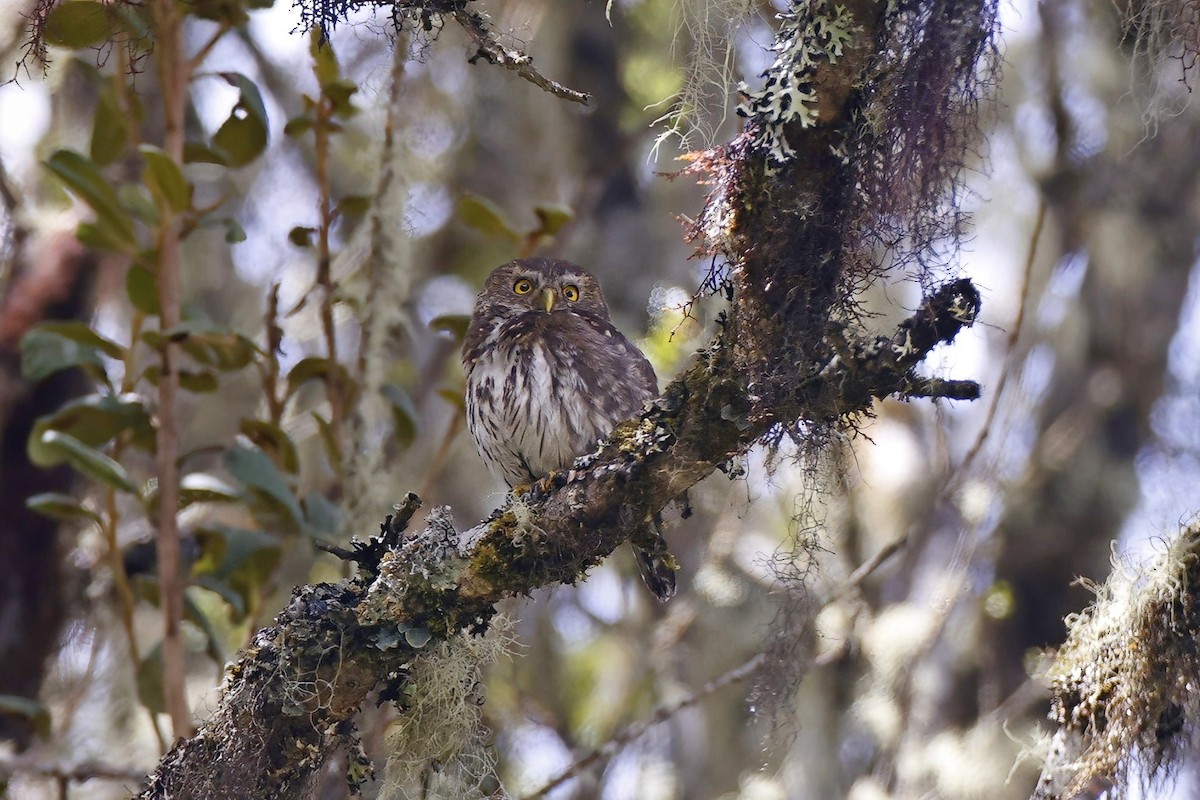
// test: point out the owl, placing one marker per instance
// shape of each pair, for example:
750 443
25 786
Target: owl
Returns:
548 375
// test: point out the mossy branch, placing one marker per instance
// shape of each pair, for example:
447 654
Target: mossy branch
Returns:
290 699
790 357
1123 686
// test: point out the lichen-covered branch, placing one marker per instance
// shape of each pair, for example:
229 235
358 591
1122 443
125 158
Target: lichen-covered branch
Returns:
429 16
493 51
1124 685
792 357
290 699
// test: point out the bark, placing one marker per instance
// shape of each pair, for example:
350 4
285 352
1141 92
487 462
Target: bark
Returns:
32 601
784 359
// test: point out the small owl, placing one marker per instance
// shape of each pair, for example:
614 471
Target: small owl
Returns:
548 375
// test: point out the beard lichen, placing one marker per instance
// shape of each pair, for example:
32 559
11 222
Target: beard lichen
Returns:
1126 684
439 747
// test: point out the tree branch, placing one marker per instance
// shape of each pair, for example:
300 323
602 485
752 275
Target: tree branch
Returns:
82 771
738 674
493 52
1123 684
789 357
172 64
291 697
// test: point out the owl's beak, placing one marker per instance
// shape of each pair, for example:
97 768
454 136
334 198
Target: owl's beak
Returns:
549 298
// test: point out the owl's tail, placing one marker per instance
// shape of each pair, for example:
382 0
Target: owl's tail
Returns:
655 562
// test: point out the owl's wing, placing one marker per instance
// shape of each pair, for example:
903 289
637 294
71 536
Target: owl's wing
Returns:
625 362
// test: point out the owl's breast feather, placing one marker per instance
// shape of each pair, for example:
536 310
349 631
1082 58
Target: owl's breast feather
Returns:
543 388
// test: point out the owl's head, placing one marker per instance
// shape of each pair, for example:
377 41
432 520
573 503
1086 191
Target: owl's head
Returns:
546 285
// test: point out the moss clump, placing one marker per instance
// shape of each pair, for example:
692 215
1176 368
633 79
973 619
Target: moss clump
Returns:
1124 684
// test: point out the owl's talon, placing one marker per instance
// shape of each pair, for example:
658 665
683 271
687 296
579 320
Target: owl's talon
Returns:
544 486
539 488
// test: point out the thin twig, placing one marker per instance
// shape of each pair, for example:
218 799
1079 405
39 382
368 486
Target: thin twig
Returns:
201 54
735 675
271 371
173 73
381 227
491 51
662 714
14 233
83 771
1010 346
323 127
7 195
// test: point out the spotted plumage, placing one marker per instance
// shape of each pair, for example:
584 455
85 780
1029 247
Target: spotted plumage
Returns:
548 375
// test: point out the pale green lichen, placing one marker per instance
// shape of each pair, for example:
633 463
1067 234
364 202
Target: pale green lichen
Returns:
1124 684
438 748
812 34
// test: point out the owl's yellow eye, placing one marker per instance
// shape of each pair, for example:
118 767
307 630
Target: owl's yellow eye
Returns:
571 292
523 286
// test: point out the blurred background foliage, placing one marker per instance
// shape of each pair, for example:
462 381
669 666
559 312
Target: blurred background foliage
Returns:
340 206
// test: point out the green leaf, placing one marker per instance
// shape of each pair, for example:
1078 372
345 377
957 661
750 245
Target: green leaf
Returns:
150 681
142 287
236 563
91 463
231 12
165 180
194 612
136 199
297 126
486 217
134 21
199 382
45 351
268 490
271 439
12 705
94 420
208 343
82 332
110 125
323 520
101 236
224 350
404 413
354 205
83 179
333 448
54 346
60 506
77 24
316 368
454 397
339 93
325 64
201 487
552 218
454 324
301 235
243 136
234 232
200 153
232 597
